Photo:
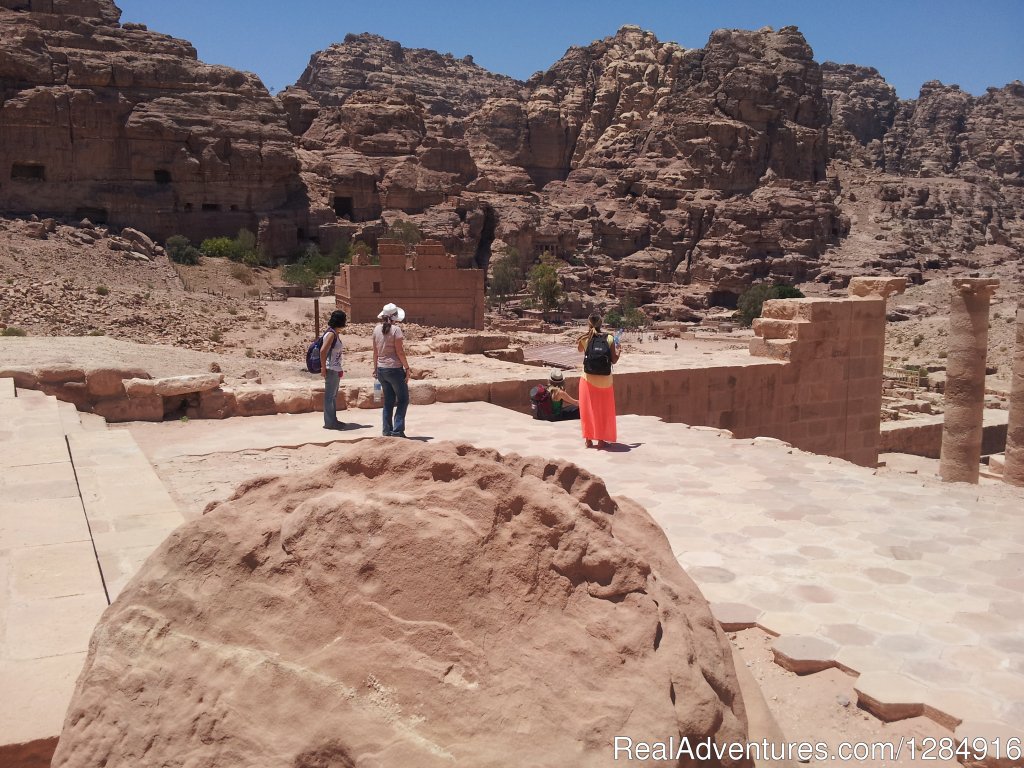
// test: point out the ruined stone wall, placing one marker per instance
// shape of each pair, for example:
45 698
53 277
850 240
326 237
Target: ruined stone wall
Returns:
820 390
814 379
434 293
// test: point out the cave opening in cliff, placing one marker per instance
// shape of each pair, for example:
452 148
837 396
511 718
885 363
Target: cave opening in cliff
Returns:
162 176
482 257
726 299
95 215
343 206
28 172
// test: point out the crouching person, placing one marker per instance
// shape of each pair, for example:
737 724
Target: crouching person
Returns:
551 402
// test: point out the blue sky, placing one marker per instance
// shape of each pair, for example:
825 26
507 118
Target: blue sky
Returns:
972 44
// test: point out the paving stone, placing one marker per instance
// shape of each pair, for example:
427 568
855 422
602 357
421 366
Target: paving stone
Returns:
735 616
804 655
991 736
889 696
36 695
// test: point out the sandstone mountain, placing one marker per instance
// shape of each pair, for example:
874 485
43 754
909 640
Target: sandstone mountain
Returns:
122 125
406 605
674 176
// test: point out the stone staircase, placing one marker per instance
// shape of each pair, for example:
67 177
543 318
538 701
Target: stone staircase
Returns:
80 509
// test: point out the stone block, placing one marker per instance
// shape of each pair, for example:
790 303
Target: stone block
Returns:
254 402
216 404
422 393
173 386
120 409
470 344
73 392
776 349
24 378
514 394
803 654
876 287
59 374
781 309
462 391
107 382
296 401
889 696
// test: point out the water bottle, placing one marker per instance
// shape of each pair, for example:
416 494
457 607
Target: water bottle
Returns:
618 338
376 392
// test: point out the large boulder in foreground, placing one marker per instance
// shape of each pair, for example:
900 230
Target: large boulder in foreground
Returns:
405 605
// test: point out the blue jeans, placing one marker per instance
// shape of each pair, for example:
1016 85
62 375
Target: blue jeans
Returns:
396 398
331 383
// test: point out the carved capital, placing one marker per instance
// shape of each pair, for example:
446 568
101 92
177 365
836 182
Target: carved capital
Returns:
979 287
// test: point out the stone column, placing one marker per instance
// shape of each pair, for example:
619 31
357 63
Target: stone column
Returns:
965 379
1013 467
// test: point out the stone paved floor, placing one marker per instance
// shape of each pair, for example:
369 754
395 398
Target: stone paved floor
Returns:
919 583
80 509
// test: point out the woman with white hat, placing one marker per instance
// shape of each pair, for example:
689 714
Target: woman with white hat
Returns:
391 369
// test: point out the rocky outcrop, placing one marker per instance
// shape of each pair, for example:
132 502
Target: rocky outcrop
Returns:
675 176
456 606
122 125
862 108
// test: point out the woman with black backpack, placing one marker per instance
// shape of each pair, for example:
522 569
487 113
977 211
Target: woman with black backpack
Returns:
597 398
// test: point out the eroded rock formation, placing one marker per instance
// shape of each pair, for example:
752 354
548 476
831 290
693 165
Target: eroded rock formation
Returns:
673 176
405 605
122 125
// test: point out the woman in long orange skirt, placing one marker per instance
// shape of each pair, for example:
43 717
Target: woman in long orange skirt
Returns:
597 397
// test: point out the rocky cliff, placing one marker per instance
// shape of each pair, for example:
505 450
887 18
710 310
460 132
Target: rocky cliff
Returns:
122 125
674 176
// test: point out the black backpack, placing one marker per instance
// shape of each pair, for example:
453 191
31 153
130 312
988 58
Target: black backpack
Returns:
540 402
597 359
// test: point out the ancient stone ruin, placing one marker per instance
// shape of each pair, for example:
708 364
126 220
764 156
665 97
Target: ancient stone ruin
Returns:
965 383
424 281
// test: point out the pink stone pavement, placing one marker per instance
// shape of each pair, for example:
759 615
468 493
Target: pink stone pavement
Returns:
900 576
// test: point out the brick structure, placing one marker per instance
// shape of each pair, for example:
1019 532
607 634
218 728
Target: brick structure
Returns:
426 284
965 379
1013 468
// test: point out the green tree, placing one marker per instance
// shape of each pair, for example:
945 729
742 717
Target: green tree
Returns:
180 250
752 300
405 231
632 317
505 276
544 283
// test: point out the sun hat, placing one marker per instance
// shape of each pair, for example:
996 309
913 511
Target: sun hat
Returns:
391 310
556 377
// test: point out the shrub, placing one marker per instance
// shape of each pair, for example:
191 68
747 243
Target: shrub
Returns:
13 330
220 248
752 300
102 290
242 274
613 319
215 336
918 339
405 231
312 267
97 332
180 250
